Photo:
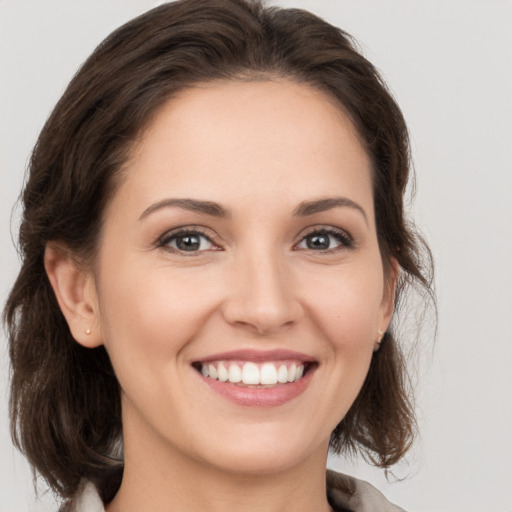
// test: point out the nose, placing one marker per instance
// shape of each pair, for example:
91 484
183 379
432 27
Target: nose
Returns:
262 295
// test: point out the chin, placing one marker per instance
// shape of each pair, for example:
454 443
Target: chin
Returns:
263 454
260 462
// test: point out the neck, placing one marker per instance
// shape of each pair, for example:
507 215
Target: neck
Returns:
167 480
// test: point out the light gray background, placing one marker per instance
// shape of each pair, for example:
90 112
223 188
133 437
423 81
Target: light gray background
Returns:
449 63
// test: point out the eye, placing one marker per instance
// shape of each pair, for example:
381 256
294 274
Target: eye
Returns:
187 240
326 239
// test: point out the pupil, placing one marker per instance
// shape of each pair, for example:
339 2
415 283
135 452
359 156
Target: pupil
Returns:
188 242
318 242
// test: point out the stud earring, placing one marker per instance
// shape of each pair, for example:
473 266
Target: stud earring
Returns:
87 331
379 339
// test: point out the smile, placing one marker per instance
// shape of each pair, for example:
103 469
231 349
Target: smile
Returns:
250 373
257 378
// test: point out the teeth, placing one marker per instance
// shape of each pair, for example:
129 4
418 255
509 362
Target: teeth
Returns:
282 374
223 374
291 373
252 374
235 374
212 371
268 374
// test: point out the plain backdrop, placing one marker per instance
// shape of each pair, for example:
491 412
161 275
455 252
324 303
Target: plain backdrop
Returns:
449 64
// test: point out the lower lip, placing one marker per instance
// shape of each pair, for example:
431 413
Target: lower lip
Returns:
260 397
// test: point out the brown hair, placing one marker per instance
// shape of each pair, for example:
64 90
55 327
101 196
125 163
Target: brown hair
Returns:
65 399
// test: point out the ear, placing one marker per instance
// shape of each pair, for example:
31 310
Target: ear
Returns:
388 296
76 294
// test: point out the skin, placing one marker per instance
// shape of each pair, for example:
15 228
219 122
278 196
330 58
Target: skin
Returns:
259 149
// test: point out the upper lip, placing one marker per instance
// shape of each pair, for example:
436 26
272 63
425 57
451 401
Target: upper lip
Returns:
257 356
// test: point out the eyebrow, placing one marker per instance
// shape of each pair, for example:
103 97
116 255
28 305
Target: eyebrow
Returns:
321 205
216 210
193 205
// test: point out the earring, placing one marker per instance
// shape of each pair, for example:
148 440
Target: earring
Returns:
379 339
87 331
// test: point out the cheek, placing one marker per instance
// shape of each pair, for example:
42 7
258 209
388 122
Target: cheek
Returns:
134 310
347 307
347 311
149 319
154 311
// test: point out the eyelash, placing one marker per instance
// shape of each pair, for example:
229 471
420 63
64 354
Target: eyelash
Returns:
345 240
164 241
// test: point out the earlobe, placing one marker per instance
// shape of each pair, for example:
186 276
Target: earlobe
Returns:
76 294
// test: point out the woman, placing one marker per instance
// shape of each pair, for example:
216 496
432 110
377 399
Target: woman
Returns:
214 245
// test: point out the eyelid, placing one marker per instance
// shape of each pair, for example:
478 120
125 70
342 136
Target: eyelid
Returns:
164 239
347 240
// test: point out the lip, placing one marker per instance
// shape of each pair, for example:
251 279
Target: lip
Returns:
272 396
257 356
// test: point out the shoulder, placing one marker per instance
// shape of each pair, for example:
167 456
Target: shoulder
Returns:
346 493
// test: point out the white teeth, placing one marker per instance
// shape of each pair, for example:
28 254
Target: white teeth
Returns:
291 373
268 374
223 374
252 374
235 373
282 374
212 371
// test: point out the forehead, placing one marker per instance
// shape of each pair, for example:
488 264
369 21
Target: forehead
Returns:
244 139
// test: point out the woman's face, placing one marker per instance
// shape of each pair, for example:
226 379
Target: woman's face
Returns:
241 244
